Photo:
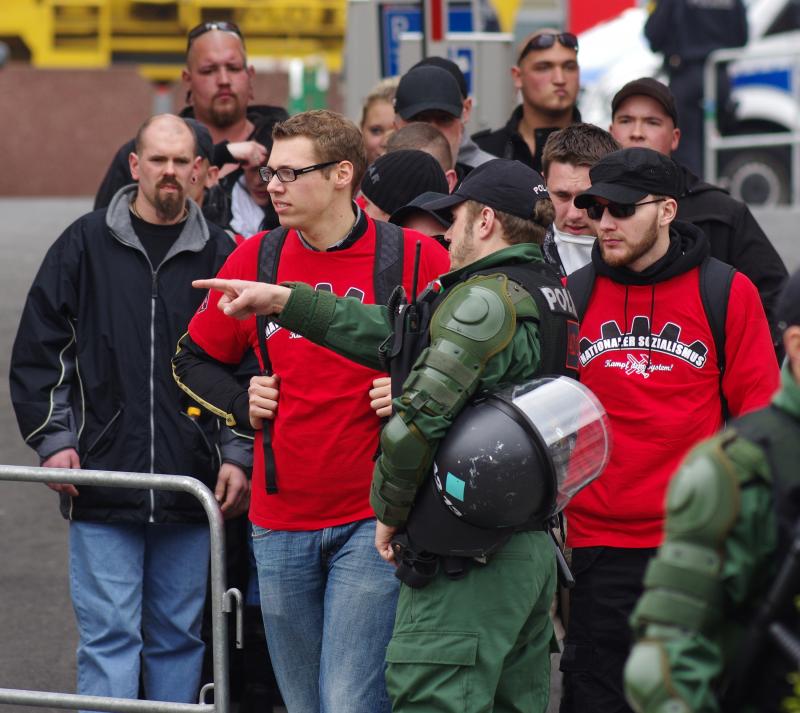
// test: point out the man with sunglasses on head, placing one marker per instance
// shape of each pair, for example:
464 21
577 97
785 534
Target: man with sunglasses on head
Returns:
647 349
547 76
328 600
219 88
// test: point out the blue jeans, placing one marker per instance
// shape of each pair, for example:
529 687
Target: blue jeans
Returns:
138 592
328 602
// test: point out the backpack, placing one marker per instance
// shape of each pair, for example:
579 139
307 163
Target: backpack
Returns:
387 275
716 278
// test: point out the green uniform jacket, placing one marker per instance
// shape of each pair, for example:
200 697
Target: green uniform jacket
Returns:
678 663
356 331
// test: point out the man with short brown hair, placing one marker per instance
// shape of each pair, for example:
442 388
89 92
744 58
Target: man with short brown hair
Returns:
327 599
547 75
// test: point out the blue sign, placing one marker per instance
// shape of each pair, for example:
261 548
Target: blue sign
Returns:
463 57
397 19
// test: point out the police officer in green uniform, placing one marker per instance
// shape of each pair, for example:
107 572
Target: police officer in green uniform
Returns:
717 626
472 631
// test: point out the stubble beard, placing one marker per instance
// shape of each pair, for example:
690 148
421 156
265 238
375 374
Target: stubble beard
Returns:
225 116
633 252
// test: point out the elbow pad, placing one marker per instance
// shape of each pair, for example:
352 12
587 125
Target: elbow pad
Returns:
683 583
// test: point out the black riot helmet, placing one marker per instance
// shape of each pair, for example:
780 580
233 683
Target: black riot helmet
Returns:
509 462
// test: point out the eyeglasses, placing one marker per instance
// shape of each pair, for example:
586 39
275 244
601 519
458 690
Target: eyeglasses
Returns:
546 40
204 27
618 210
287 175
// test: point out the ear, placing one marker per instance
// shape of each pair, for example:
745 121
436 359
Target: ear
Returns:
196 168
452 179
486 223
251 73
791 343
467 112
676 139
133 162
516 77
186 80
212 176
669 211
344 174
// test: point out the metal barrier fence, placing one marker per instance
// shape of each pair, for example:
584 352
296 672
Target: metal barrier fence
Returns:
222 600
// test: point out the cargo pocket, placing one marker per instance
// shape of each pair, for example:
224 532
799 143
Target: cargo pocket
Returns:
433 670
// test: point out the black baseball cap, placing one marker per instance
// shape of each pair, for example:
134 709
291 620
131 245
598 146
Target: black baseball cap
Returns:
505 185
418 205
205 145
425 88
449 66
787 311
628 175
649 87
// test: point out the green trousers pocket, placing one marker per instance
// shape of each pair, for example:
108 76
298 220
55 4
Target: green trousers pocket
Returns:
432 670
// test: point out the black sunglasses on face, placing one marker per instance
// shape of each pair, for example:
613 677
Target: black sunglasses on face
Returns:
546 40
618 210
204 27
287 175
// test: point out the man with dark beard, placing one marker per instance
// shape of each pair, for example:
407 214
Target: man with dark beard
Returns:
92 388
648 350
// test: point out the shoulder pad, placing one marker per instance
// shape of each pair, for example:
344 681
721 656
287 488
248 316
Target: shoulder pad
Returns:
703 497
477 313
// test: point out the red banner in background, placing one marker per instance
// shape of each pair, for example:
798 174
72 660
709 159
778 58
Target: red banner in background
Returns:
584 14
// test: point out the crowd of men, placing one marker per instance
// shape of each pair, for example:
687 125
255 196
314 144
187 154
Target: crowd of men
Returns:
373 289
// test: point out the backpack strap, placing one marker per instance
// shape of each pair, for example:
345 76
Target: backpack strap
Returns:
388 266
716 278
580 284
269 253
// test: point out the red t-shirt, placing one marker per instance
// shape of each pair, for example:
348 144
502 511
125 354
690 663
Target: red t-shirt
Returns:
325 434
658 413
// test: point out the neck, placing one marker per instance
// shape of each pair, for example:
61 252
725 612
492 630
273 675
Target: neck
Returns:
239 131
653 255
141 208
533 118
330 227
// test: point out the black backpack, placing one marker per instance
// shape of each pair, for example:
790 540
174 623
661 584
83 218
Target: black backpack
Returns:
388 274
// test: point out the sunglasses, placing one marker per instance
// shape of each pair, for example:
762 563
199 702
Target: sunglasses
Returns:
203 27
546 40
617 210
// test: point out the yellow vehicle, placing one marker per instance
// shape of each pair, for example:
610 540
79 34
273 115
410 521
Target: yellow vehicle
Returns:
94 33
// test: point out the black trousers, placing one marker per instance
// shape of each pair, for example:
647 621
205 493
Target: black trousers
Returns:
608 583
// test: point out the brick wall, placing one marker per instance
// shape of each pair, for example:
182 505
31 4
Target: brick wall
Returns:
60 128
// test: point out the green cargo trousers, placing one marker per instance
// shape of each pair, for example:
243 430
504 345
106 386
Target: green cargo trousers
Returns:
479 644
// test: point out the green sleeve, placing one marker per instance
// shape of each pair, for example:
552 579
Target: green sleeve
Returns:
674 661
435 392
342 324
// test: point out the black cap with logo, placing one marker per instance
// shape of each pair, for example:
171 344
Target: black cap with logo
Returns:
787 311
505 185
628 175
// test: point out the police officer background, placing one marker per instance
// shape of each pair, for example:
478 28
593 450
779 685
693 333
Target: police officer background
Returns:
472 631
723 587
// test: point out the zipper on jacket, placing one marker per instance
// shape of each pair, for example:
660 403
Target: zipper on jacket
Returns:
153 297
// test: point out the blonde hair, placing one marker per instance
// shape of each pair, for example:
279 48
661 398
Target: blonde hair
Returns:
383 91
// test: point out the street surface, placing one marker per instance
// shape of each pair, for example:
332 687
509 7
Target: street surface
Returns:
37 630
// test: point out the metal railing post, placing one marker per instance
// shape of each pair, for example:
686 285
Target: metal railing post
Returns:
220 595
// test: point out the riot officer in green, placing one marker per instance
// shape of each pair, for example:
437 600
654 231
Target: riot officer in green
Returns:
472 631
717 626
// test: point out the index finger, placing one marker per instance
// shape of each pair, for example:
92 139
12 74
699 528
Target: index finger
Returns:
214 283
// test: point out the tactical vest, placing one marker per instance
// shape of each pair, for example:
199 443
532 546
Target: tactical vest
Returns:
557 322
764 664
558 330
